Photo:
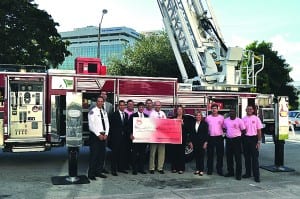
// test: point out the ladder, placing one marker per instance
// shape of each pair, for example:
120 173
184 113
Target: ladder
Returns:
192 29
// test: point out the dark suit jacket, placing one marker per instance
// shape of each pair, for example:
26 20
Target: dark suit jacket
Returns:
117 129
130 126
201 135
185 128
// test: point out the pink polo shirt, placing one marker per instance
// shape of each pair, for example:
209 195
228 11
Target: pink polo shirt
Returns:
148 112
233 127
129 112
215 125
252 124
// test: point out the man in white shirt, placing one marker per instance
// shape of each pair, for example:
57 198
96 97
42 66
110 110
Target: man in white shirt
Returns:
160 148
99 128
107 106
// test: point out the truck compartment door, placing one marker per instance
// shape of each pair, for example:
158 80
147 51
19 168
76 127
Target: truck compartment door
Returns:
26 107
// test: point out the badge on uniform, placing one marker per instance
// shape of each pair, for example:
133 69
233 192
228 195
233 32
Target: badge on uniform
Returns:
91 112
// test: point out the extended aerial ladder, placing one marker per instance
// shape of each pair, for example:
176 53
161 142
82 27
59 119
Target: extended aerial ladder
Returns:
192 29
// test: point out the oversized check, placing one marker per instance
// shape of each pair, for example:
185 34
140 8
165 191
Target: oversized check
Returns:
153 130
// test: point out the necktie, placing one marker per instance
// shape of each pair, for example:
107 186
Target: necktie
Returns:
104 108
123 117
102 119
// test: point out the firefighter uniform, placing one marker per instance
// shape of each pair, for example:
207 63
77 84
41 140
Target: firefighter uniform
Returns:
98 124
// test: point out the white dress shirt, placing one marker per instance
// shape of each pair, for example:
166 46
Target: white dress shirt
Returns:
95 121
197 124
158 114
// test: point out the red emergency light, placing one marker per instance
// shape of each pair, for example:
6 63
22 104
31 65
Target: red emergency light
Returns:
88 65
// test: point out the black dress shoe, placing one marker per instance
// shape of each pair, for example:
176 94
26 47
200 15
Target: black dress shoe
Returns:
92 177
151 171
122 171
238 177
246 176
161 172
134 173
100 175
114 173
142 172
105 171
220 173
228 175
256 179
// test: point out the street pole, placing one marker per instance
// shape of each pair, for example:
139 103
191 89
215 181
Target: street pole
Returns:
104 11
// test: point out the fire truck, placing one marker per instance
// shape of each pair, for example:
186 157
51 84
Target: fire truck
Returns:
33 101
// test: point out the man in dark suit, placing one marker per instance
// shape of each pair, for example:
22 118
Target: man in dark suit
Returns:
138 149
118 133
108 107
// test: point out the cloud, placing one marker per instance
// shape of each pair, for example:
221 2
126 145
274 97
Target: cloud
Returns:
236 40
290 52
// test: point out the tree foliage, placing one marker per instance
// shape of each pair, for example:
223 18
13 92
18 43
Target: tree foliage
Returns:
151 56
29 35
275 78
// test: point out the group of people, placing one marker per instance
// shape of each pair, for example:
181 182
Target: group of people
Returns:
115 129
240 135
202 135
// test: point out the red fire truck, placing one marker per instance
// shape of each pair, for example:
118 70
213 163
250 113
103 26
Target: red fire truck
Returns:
33 104
33 101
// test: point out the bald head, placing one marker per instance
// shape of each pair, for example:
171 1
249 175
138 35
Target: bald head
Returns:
157 105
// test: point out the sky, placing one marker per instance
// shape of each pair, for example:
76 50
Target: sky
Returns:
240 22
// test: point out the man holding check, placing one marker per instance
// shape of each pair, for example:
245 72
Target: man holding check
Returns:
138 149
160 148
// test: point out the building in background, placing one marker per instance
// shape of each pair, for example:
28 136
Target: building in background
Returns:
84 43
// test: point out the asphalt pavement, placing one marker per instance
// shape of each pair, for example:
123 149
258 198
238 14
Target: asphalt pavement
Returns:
28 175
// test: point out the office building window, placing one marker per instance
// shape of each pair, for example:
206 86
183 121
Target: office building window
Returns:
84 43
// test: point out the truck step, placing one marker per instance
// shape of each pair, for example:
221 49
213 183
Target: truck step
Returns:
28 149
